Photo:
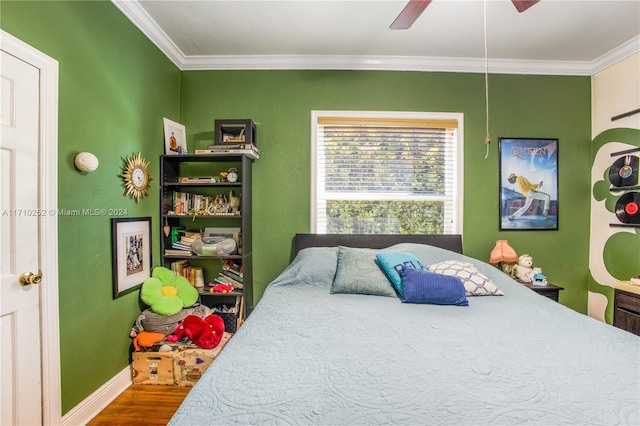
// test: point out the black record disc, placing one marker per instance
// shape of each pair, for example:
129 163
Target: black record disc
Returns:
624 171
628 208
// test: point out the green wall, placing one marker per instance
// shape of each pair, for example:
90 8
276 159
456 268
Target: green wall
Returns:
521 106
114 89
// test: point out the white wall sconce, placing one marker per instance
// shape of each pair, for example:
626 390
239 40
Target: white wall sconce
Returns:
86 162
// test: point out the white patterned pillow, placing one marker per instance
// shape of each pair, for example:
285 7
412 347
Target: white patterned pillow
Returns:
475 282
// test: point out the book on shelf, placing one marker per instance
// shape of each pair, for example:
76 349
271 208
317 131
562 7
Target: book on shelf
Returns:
192 273
232 266
198 180
184 202
190 233
181 240
178 267
224 279
188 241
182 268
232 276
180 246
175 252
253 153
228 146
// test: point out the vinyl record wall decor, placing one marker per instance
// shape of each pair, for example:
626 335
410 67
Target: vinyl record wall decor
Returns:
624 177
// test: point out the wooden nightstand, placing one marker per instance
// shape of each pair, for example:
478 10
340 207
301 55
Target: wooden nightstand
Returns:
551 291
626 307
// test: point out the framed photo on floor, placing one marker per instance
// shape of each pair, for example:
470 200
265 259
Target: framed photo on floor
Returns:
131 251
528 184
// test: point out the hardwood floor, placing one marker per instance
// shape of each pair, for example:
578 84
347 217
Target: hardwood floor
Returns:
142 405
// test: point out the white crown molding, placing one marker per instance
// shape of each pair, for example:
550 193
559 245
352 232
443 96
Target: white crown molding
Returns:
616 55
141 19
383 63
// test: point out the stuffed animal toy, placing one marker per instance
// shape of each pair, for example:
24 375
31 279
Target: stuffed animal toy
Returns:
222 288
538 278
166 293
523 271
177 334
165 324
146 339
205 333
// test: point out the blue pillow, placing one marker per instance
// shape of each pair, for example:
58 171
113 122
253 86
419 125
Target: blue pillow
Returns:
429 287
392 263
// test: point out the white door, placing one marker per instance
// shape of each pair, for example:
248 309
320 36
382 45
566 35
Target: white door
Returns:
21 382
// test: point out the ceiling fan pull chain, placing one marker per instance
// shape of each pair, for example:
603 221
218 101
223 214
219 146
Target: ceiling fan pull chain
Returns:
487 140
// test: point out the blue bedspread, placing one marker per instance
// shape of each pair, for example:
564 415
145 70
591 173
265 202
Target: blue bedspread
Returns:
306 356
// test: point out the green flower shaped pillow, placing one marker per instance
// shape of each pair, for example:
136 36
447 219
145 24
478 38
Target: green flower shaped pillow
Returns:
167 294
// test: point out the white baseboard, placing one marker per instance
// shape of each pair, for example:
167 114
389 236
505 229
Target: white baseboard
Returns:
82 413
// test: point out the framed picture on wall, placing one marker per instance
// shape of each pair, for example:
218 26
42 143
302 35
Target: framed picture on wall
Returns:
175 138
131 251
528 183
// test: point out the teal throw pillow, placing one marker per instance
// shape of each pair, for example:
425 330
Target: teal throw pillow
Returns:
392 263
358 273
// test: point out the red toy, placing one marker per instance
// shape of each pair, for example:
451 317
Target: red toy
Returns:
205 333
222 288
177 334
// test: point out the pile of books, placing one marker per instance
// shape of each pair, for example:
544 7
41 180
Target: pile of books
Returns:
181 268
231 274
232 148
182 246
184 202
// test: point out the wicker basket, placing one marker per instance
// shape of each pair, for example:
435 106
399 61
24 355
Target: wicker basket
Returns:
230 321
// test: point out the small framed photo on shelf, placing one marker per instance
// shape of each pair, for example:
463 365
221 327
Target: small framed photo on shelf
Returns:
131 252
175 138
234 131
528 184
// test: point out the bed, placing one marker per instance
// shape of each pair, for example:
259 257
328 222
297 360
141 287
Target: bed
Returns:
309 356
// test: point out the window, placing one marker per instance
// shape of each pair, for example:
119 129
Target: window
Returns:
386 172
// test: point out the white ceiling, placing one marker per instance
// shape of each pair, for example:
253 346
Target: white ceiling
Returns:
552 37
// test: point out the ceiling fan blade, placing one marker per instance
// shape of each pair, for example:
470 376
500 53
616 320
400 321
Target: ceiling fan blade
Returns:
523 5
409 14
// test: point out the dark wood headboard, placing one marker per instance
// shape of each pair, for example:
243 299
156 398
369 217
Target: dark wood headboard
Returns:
302 241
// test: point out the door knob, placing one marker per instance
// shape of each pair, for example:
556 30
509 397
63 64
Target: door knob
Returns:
30 278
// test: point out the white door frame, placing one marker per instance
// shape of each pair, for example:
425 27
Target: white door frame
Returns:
48 202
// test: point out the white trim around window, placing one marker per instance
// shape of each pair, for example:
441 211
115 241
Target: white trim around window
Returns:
455 191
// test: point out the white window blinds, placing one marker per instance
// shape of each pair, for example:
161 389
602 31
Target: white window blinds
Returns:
386 174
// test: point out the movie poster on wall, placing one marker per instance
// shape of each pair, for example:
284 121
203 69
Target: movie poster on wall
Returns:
528 184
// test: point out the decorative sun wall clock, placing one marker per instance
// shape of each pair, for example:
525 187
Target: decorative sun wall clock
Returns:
136 177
